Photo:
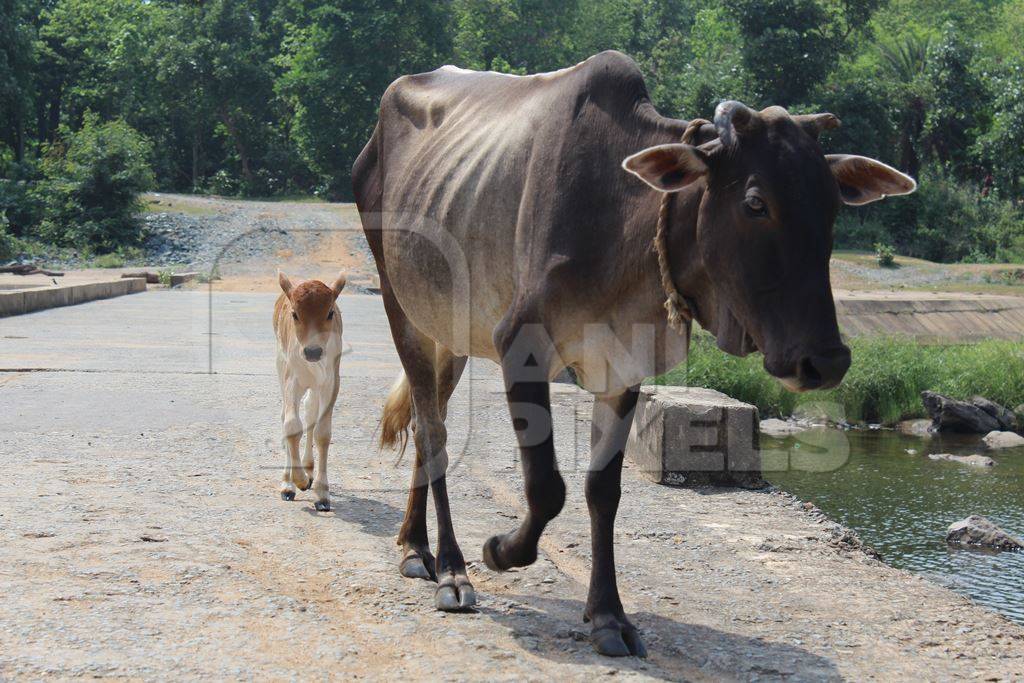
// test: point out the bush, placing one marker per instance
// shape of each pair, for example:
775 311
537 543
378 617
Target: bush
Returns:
884 383
885 255
93 181
943 221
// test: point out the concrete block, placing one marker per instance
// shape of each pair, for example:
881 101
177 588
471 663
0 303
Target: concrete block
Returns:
695 437
41 298
178 279
12 303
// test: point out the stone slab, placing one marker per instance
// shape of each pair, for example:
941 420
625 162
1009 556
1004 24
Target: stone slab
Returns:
23 301
695 437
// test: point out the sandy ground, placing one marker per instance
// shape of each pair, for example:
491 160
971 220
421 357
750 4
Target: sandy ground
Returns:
141 535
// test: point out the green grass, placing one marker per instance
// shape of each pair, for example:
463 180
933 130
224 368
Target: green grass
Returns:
884 383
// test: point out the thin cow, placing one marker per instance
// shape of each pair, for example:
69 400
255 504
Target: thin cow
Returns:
513 218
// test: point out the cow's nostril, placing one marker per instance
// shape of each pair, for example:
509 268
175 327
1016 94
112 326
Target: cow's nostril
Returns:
313 353
826 370
810 377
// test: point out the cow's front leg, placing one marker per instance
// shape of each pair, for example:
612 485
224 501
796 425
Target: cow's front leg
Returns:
291 427
611 632
525 362
321 434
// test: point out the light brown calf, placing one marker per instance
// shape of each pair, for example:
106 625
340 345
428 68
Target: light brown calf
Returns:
307 323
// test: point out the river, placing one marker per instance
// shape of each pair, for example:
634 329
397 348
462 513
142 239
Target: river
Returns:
882 485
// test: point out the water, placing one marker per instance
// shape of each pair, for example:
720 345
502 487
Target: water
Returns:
901 504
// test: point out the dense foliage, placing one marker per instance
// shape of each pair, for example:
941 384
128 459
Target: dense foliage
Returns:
268 97
884 383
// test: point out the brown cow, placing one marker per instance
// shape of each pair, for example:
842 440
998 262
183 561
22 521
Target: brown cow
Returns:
504 227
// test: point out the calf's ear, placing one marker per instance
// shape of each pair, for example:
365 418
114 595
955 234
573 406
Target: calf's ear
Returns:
863 180
286 284
339 284
668 168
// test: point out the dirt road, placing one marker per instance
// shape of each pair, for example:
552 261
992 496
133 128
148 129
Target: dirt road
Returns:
141 535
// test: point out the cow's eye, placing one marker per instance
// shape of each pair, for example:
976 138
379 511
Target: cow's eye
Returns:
330 315
295 316
756 206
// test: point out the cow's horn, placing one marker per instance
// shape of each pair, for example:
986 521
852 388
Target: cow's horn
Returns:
815 124
732 120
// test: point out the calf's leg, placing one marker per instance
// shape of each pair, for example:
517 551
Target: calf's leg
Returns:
321 433
611 632
310 421
294 475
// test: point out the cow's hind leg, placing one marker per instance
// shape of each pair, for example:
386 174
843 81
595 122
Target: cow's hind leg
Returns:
418 355
526 355
612 633
417 560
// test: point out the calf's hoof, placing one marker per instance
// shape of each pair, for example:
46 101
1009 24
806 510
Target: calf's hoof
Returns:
322 506
618 640
454 593
288 495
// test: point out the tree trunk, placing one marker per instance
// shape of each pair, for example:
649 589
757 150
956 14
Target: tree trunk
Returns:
195 161
240 148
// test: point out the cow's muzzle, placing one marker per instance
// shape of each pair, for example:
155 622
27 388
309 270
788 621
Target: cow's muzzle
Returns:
822 370
313 353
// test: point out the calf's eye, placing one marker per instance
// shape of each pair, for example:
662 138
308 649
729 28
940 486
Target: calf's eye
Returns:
330 315
295 316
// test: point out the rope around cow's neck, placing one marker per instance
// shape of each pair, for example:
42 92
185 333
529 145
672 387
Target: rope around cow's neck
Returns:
680 315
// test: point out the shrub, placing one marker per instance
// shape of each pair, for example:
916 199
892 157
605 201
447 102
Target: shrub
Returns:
885 255
884 383
943 221
93 181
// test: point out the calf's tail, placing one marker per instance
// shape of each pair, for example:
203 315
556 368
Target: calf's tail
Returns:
394 424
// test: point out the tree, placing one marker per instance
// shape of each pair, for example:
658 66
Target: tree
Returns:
338 58
94 177
17 60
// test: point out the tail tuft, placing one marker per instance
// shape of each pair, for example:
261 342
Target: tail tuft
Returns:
394 423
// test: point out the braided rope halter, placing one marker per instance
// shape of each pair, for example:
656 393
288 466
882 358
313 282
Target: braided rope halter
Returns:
680 315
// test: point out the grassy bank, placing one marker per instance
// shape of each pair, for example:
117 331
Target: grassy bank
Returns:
884 383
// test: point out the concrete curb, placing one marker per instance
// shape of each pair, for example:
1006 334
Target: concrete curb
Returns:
22 301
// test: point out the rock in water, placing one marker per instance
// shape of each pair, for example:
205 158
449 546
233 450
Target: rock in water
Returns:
976 530
950 415
915 427
780 428
976 460
1003 440
1006 419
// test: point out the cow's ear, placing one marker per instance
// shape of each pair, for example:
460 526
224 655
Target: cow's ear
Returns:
863 180
339 284
668 168
286 284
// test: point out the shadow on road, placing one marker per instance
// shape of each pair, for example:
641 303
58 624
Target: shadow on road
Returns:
553 628
373 516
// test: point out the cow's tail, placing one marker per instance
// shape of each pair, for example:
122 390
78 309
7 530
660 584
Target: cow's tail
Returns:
394 423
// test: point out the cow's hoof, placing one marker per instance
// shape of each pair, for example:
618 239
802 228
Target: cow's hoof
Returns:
308 486
415 567
454 594
287 495
322 506
513 554
491 554
618 641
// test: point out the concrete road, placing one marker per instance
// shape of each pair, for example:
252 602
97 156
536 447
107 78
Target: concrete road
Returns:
141 534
